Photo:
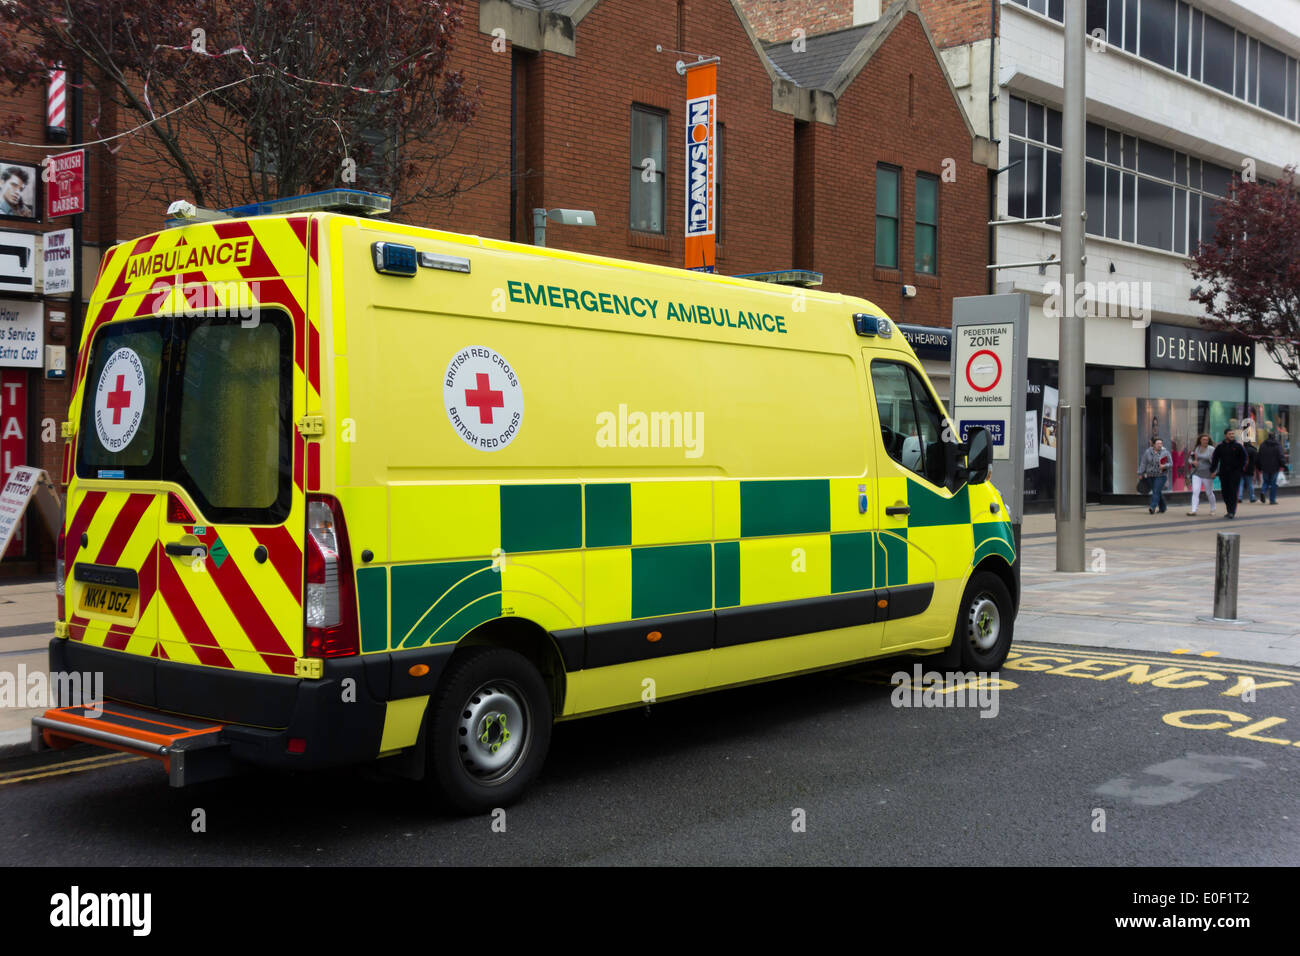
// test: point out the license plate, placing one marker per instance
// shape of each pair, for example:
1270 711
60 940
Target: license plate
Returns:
97 599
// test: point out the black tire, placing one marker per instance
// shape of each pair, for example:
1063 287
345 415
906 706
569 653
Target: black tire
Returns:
491 700
986 604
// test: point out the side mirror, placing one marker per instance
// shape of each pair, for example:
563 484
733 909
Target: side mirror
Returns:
979 455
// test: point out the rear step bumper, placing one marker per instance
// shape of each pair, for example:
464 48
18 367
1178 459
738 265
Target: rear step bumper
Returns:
191 751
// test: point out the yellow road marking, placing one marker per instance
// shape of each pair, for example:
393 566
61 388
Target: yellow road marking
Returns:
89 763
1153 657
1209 653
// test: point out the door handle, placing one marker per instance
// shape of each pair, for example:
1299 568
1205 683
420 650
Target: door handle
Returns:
898 510
179 549
862 499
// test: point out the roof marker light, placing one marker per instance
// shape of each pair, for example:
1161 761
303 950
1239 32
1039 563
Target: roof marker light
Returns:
433 260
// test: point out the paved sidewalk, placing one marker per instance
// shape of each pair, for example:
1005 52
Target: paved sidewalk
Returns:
1152 576
27 610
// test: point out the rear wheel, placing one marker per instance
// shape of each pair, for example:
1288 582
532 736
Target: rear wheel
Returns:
984 623
489 729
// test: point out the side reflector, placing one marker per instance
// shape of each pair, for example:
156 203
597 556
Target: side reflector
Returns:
394 259
418 670
653 637
297 745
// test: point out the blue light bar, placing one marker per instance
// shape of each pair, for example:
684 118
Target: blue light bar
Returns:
802 277
357 202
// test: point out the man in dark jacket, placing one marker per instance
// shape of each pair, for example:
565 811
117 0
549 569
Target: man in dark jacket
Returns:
1270 463
1229 463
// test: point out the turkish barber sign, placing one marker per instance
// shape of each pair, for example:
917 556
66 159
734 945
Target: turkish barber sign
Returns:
65 194
701 165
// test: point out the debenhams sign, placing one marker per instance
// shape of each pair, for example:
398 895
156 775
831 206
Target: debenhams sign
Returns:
1186 349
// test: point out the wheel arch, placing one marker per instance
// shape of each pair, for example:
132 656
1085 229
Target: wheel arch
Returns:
997 564
530 639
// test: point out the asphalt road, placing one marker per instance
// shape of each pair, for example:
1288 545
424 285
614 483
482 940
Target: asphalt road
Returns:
1085 763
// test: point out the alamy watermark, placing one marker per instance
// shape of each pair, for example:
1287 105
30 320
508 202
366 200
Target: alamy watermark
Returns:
633 429
219 299
1111 300
975 689
41 690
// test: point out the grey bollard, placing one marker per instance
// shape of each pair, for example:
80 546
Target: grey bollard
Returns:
1227 558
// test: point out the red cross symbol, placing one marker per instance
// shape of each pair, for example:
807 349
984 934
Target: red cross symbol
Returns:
483 398
118 399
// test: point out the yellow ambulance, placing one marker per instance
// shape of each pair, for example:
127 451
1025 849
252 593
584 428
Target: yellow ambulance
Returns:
340 489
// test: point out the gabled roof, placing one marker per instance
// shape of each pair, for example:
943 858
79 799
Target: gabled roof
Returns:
830 62
815 66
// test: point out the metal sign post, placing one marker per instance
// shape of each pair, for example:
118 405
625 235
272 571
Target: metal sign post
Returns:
990 368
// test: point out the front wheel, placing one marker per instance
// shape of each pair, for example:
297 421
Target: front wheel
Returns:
489 729
985 623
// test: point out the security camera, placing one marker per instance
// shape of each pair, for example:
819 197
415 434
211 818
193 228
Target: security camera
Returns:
182 209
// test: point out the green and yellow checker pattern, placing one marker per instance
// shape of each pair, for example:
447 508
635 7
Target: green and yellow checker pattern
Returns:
570 555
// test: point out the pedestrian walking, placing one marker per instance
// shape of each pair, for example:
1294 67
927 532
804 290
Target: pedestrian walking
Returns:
1270 463
1154 466
1200 457
1228 462
1247 490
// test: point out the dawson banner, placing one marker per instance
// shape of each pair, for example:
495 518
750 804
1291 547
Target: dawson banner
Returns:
701 164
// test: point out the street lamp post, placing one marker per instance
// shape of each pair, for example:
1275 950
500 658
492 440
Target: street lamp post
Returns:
1070 488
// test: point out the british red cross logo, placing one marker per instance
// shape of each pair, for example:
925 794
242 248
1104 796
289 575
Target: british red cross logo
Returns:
119 398
483 398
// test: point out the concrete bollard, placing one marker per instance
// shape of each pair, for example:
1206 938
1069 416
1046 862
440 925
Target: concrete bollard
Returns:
1227 559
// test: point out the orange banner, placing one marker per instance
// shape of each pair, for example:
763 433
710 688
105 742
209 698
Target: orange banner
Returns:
701 165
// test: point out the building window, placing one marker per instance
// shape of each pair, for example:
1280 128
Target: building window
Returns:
1137 190
927 224
887 203
646 192
1194 44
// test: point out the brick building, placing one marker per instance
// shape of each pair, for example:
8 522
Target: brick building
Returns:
575 96
892 183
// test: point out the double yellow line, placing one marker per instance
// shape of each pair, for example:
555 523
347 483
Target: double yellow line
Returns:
72 766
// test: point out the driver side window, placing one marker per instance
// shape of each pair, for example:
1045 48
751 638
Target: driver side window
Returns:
911 425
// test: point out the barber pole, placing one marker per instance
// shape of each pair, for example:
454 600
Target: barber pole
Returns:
701 163
56 111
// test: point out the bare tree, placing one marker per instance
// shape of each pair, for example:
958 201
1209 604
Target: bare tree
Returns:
245 100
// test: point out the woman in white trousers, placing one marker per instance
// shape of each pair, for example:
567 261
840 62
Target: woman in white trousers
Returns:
1200 458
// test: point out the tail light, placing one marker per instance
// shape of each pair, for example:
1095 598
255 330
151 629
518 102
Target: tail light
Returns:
330 604
60 567
177 512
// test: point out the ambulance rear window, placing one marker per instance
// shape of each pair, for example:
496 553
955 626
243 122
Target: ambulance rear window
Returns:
119 435
229 417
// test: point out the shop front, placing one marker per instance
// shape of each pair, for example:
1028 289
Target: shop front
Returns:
1197 382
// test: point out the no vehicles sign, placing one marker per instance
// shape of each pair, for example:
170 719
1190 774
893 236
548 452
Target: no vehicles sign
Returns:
984 364
989 362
